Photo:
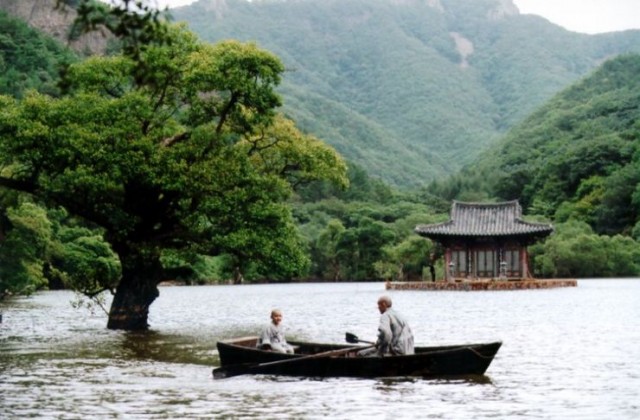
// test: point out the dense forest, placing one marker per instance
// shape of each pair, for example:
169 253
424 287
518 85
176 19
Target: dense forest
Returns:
410 90
577 157
285 210
575 161
29 59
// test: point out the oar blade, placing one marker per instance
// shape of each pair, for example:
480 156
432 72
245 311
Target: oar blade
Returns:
351 338
233 370
219 373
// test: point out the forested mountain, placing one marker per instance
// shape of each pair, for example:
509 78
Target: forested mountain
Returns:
575 160
577 157
28 58
414 89
411 90
52 18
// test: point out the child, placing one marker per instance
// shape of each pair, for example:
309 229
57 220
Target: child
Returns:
272 337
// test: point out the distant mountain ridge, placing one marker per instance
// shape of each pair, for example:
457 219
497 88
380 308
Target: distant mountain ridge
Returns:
409 89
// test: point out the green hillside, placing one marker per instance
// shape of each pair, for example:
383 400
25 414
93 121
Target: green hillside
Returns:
574 160
28 59
577 157
412 90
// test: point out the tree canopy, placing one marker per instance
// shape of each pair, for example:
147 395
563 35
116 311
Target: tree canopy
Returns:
174 146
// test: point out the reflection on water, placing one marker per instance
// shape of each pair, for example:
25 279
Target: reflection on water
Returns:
567 353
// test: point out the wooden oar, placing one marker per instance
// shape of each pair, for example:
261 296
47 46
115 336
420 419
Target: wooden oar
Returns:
244 368
352 338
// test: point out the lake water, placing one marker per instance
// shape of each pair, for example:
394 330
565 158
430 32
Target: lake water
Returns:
567 353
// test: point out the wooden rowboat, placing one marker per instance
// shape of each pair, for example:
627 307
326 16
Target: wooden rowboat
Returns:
240 356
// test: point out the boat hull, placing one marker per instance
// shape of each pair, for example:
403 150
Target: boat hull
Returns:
428 362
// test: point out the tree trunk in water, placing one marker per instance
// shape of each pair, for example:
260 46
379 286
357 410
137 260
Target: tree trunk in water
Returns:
135 293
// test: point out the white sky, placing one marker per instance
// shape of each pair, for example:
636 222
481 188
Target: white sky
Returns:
174 3
587 16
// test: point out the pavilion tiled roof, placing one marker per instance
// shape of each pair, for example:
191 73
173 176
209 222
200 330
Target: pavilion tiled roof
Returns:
485 219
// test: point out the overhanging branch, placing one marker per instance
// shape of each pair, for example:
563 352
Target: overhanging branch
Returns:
170 141
17 185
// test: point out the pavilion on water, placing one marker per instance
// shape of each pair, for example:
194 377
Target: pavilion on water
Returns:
486 241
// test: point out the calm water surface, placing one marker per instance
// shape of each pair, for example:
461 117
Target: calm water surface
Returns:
567 353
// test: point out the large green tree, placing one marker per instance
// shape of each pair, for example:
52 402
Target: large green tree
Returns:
164 148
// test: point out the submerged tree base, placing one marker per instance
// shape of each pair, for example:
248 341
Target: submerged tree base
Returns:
133 319
130 307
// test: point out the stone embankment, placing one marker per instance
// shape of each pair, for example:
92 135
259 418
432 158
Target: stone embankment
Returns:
470 285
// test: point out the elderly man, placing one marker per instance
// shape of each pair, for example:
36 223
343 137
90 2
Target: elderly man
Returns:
394 334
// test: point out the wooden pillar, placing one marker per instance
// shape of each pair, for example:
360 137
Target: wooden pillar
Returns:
501 263
524 263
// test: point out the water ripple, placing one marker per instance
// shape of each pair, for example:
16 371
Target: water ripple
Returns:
567 353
